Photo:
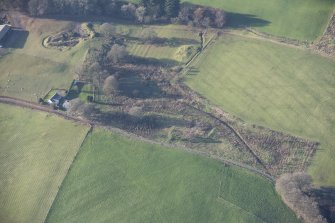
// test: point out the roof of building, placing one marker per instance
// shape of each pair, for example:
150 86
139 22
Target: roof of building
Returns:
56 98
3 30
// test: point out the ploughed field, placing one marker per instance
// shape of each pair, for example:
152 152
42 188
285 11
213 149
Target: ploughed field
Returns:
35 153
283 88
124 180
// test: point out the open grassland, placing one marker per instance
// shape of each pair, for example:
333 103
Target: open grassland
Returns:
35 153
297 19
121 180
284 88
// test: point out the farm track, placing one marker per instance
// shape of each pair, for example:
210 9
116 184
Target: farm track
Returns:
26 104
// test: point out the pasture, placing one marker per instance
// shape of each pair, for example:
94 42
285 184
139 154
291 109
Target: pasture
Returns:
296 19
29 70
283 88
118 179
35 153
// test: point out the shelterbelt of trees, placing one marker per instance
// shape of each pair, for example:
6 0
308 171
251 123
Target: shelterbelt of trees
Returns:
147 11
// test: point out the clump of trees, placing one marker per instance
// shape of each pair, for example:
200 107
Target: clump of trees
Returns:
202 17
293 189
111 85
117 53
161 8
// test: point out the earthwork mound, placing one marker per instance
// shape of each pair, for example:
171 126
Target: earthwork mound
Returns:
69 38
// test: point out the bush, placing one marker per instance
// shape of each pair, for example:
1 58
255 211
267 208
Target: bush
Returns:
117 53
111 85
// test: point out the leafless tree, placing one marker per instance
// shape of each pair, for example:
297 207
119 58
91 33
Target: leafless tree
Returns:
111 85
140 14
107 29
117 53
293 188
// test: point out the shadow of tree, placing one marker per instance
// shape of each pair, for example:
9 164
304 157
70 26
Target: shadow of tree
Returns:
16 38
238 20
153 61
131 85
325 196
136 123
159 41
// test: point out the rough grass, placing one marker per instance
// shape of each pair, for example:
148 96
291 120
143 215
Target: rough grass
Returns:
283 88
121 180
297 19
35 153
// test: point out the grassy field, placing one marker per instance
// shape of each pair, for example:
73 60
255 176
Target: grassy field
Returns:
121 180
179 43
29 71
35 153
284 88
297 19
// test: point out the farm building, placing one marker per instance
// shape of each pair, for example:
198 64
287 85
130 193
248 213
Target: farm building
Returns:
4 29
56 99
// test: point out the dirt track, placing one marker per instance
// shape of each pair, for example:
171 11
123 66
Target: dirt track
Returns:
26 104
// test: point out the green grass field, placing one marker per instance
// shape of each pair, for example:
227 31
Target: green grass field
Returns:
120 180
35 153
284 88
297 19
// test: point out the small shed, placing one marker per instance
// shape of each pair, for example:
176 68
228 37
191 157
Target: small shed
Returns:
4 29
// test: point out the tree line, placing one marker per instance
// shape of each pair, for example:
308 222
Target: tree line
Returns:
147 11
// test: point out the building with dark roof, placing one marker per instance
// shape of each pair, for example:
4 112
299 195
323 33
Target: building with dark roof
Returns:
4 29
56 99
